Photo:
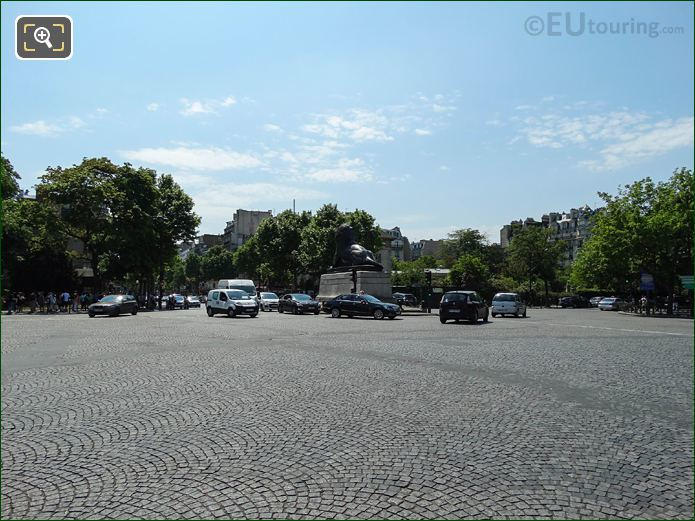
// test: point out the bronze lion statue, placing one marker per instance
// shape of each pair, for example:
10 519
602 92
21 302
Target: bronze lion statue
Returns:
348 253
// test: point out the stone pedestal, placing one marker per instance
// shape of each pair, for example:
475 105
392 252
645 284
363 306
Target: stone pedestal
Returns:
375 283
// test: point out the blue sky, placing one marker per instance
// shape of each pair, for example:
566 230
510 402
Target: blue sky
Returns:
431 117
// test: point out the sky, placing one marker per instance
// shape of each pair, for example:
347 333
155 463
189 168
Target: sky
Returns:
432 117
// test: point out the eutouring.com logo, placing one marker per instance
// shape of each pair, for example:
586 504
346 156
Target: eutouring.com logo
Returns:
578 24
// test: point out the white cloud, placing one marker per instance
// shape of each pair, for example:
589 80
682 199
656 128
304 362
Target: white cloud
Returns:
208 106
193 107
153 107
38 128
344 171
269 127
444 168
357 125
194 158
661 138
443 108
74 122
422 132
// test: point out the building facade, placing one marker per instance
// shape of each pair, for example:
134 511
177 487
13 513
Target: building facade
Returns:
426 247
242 226
200 245
393 245
572 227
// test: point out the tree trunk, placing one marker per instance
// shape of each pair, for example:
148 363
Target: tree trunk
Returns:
161 284
545 282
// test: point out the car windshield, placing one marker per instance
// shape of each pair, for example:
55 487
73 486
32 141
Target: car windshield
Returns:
111 298
504 297
193 298
301 296
237 294
371 299
609 300
269 295
249 290
455 297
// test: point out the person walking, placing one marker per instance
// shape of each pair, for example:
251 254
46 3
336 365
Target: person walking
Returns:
65 302
11 303
32 302
52 302
75 302
41 301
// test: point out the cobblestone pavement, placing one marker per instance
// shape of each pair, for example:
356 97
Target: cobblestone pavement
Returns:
565 414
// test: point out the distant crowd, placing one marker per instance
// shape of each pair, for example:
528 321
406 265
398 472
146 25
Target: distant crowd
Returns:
49 302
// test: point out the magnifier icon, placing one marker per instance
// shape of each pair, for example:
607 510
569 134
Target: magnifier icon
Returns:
42 35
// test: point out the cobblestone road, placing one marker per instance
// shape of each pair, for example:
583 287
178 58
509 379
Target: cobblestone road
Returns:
565 414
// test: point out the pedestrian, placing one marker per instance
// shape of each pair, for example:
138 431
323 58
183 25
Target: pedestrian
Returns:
41 301
75 302
11 303
32 302
51 302
20 302
65 302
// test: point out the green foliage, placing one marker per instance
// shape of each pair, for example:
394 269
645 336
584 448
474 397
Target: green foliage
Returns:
462 242
9 179
532 255
193 269
647 227
217 263
409 273
470 272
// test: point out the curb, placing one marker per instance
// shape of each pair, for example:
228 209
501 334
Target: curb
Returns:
628 314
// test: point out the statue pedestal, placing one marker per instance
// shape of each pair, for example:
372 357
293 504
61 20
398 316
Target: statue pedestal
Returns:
375 283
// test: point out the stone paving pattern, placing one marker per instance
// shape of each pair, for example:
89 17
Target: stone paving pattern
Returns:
566 414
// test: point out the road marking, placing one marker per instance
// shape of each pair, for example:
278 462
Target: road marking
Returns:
619 329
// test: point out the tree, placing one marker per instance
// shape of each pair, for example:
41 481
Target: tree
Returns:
9 179
461 242
410 273
471 272
81 196
648 228
217 263
193 269
317 247
532 255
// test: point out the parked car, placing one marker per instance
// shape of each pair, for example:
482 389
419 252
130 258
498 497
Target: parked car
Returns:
193 301
298 303
269 301
462 305
405 299
114 305
508 304
574 301
593 301
178 301
232 302
366 305
611 304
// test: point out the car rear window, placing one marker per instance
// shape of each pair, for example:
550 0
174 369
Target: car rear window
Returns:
455 297
504 297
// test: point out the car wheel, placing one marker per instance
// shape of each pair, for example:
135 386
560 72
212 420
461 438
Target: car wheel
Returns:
474 318
378 314
280 310
494 315
134 312
316 312
91 315
210 312
485 318
335 313
254 315
392 317
231 313
442 320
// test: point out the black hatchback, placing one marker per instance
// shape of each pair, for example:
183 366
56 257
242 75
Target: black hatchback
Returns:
462 305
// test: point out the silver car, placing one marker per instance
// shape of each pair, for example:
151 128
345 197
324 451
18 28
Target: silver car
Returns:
508 304
611 304
269 301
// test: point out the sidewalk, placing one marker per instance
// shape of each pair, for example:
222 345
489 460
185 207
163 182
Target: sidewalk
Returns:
659 315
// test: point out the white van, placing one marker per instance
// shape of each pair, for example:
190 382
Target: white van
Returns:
232 302
243 284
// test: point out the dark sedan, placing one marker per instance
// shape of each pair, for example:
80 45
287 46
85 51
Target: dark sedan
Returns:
114 305
298 303
366 305
462 305
574 301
